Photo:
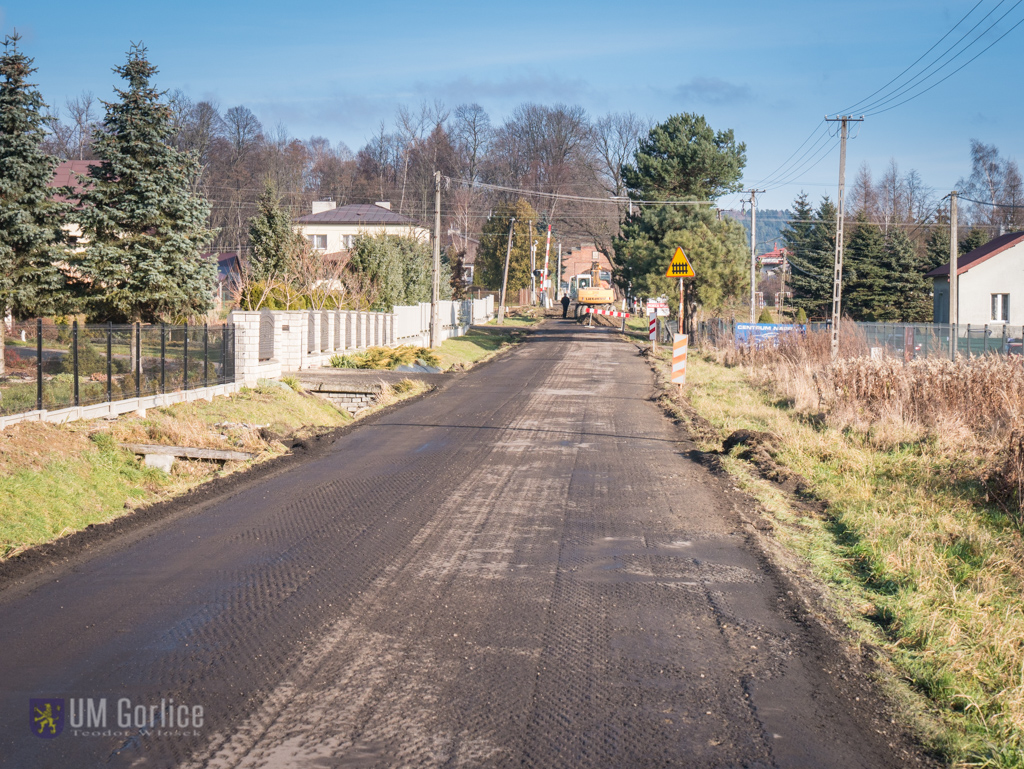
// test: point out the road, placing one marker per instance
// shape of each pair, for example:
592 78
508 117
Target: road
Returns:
523 569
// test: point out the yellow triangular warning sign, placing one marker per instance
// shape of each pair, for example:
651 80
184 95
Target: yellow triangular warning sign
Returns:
680 266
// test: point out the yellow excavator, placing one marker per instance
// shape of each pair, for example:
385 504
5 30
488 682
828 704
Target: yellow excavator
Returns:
594 295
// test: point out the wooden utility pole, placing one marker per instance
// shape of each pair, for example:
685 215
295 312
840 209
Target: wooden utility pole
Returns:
753 254
435 283
837 277
954 253
504 280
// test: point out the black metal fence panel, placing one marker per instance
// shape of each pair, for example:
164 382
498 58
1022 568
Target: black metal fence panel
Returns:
55 366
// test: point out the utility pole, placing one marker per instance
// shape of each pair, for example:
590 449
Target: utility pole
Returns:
545 277
504 280
753 253
837 277
558 286
533 268
435 284
954 253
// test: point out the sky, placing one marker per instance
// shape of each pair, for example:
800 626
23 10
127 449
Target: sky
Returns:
769 71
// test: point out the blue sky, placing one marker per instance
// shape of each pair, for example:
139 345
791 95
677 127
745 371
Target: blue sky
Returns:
770 71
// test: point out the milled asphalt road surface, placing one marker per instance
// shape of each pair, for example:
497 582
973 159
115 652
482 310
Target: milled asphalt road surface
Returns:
525 569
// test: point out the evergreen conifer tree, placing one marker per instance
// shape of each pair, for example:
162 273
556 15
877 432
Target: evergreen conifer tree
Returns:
906 291
976 238
273 241
144 223
31 240
812 258
490 258
684 159
937 247
865 295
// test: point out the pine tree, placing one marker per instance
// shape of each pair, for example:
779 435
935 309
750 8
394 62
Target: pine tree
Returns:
683 158
813 258
144 223
271 237
865 295
31 239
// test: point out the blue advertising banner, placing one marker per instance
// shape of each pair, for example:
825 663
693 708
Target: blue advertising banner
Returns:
765 333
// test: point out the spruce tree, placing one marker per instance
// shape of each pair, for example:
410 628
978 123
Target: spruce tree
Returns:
273 241
865 294
937 247
145 226
907 292
31 239
813 260
976 238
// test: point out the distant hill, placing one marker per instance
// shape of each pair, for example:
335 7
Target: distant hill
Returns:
770 223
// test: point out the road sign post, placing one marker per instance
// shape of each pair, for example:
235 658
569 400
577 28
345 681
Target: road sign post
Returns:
680 267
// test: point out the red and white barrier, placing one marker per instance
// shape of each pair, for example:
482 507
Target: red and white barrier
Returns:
652 323
679 349
612 313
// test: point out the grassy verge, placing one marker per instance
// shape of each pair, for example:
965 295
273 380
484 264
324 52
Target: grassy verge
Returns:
919 565
57 479
479 344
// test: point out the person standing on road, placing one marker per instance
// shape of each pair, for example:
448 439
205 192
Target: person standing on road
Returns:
565 305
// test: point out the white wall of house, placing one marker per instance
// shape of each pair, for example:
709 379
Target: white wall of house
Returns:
339 237
1002 274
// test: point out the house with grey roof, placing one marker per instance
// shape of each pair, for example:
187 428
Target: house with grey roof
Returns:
333 229
990 284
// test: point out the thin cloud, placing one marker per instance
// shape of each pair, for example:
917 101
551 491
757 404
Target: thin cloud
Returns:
529 87
713 90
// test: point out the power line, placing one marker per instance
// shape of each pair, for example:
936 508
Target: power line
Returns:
559 196
784 162
947 77
924 75
857 105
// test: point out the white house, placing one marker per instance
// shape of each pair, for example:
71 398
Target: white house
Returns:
990 284
333 229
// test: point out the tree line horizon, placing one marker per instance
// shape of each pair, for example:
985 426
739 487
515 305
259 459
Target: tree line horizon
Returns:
561 150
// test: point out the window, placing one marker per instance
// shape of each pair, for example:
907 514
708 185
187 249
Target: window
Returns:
318 241
1000 308
349 241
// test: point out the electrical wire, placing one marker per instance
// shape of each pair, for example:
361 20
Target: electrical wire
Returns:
767 178
947 77
872 109
856 105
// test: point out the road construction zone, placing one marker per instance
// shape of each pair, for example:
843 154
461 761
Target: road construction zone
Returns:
610 313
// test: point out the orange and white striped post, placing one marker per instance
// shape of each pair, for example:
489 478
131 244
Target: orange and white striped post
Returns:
679 345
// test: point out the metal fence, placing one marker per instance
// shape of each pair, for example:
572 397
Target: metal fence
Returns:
53 366
905 340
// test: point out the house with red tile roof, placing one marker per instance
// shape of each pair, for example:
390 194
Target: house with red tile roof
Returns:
990 284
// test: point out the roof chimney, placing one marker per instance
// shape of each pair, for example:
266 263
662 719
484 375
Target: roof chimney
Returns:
319 206
384 204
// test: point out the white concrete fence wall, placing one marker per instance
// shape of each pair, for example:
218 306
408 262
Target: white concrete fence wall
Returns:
299 336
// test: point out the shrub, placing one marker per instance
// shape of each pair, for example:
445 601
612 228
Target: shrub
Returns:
765 316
